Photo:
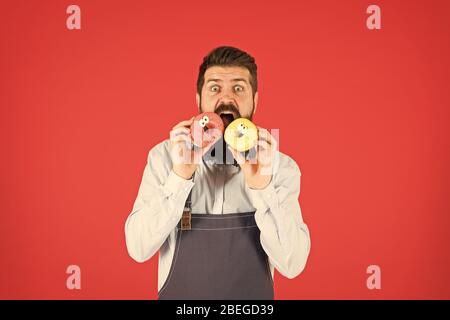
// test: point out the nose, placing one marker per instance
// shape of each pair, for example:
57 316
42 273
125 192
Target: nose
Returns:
228 98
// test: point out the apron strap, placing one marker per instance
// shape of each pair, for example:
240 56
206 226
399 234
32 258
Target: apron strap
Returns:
185 223
188 203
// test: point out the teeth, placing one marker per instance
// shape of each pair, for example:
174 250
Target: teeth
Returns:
228 112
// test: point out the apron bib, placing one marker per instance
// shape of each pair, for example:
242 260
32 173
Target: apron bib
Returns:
218 257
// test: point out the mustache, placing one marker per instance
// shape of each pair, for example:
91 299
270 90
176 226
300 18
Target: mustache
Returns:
228 107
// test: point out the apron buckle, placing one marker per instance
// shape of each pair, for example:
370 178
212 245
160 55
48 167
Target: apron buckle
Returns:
186 220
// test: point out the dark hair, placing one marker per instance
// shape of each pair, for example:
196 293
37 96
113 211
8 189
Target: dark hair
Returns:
231 57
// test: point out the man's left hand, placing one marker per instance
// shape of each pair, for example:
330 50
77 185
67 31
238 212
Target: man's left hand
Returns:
258 170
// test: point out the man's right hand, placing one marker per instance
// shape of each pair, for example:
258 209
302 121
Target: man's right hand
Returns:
185 156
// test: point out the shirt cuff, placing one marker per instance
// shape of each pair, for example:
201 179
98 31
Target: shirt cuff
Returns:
263 199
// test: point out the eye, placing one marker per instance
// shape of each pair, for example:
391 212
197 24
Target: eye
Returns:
238 88
214 88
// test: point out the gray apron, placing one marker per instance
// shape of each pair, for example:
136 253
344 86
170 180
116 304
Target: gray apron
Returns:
218 257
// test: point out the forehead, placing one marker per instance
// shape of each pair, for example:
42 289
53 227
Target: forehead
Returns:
227 73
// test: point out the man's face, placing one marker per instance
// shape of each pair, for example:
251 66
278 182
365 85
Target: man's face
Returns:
227 92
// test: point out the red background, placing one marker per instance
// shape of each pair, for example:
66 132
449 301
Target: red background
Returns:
364 113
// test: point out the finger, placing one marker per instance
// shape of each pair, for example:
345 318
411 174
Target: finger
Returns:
270 139
265 152
184 123
265 148
265 156
181 137
178 131
181 129
264 134
263 145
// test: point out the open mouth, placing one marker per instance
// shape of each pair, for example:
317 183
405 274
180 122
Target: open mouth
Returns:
227 118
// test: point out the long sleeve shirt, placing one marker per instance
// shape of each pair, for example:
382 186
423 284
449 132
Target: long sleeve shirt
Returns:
217 189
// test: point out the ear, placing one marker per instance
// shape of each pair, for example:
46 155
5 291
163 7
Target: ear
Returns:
197 100
255 101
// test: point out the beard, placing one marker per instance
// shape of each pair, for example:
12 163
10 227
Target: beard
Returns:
232 112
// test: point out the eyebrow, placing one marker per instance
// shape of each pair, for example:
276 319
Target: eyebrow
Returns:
234 80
